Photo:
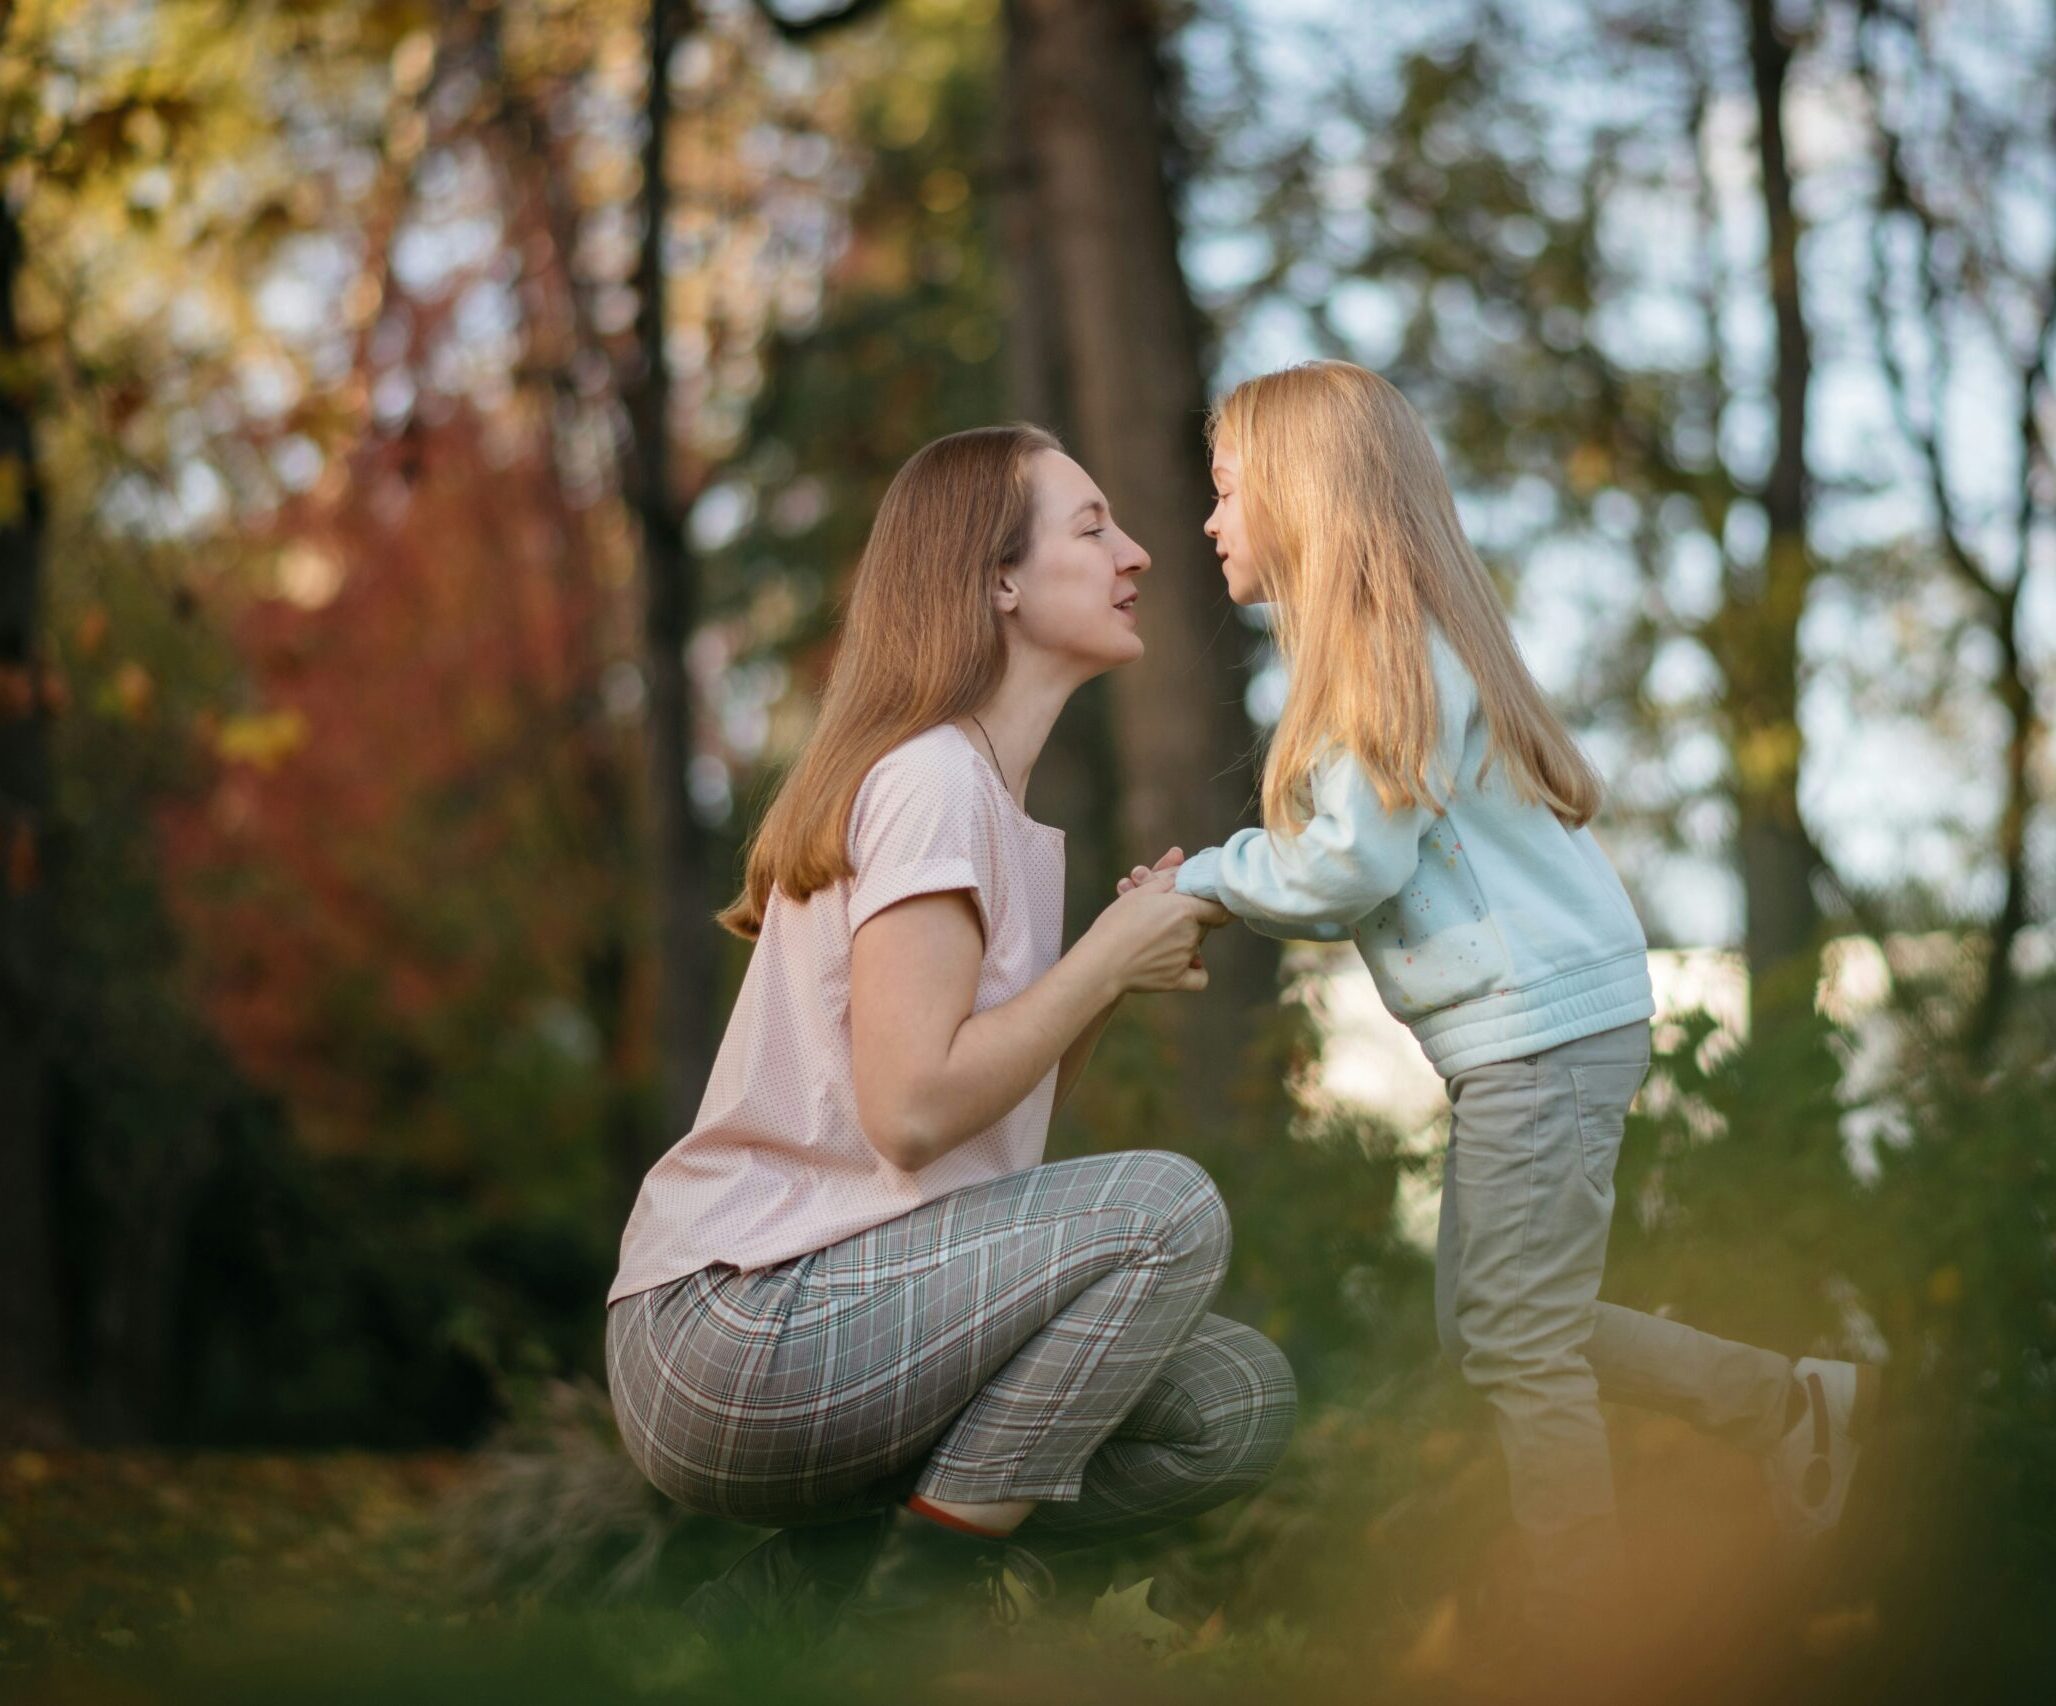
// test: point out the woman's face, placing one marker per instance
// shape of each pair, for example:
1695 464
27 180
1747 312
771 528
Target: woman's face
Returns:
1228 528
1074 594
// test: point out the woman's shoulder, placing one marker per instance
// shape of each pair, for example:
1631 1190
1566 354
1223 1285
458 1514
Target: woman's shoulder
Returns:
937 757
933 774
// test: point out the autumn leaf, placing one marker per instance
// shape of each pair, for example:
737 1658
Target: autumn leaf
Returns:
1945 1286
1123 1617
133 692
90 633
17 693
1833 1632
261 739
23 869
1434 1650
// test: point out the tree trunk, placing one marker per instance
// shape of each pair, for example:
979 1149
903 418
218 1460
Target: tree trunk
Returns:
2016 693
1092 88
31 1404
685 927
1999 600
1077 780
1760 631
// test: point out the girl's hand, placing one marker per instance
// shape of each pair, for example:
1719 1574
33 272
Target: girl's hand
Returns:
1169 862
1152 935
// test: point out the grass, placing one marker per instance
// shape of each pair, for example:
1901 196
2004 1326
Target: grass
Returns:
150 1577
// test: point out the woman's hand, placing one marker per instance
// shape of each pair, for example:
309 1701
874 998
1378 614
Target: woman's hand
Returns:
1151 935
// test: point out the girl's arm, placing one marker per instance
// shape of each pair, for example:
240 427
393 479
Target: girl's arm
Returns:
1352 856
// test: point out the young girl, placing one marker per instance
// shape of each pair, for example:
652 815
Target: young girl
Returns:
1421 797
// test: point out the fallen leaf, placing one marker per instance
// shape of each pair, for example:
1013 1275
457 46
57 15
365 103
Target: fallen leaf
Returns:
1433 1651
1125 1616
1834 1632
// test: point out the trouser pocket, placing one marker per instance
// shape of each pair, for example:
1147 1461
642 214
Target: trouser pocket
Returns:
1603 1093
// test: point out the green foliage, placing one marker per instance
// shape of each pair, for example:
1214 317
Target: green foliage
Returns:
350 1021
1376 1552
907 345
1318 1265
1940 1262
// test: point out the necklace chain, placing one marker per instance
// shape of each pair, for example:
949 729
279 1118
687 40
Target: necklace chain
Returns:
989 747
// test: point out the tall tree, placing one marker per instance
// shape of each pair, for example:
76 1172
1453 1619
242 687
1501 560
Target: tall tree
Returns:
687 883
1972 284
686 937
1093 91
1078 779
29 1373
1546 240
1755 638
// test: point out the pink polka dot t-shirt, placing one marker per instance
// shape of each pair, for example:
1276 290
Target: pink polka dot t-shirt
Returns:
776 1164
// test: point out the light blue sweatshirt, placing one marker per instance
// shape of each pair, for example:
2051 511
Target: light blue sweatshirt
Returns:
1491 931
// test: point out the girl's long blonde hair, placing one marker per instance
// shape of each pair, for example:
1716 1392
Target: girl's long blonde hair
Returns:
1357 545
921 645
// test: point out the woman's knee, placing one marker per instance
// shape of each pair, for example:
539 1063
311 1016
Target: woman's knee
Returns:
1253 1431
1271 1412
1178 1194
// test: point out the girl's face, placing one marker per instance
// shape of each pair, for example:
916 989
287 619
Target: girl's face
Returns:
1228 528
1074 594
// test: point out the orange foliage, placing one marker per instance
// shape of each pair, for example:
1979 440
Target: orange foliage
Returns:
411 843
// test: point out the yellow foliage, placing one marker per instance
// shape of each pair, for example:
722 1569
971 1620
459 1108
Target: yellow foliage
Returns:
263 739
1764 757
134 691
1590 467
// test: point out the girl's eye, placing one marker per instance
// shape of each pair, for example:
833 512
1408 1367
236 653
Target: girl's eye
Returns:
1094 532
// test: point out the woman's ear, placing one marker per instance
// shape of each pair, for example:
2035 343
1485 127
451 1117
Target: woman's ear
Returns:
1006 596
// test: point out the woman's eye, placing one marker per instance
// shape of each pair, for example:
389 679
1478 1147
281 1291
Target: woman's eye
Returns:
1094 532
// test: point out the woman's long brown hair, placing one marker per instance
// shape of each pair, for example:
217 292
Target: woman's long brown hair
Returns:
921 644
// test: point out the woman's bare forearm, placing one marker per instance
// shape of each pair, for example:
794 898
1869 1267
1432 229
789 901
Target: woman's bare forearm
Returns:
1072 1067
998 1056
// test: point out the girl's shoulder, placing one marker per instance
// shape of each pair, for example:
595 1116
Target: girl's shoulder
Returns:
1447 665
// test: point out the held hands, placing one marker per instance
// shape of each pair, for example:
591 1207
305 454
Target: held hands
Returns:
1154 933
1169 862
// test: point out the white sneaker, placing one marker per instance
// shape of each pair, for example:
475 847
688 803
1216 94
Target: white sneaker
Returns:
1808 1471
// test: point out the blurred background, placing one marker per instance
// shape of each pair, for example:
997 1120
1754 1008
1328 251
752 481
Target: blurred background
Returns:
434 437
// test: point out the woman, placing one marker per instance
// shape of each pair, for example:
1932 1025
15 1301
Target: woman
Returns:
852 1303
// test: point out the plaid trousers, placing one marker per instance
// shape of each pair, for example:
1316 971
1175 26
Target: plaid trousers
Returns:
1043 1336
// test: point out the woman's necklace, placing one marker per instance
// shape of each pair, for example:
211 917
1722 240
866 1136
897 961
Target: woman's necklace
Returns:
989 747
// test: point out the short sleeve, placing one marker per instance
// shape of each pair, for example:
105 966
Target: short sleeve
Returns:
919 827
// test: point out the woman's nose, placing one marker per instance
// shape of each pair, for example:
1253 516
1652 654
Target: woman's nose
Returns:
1133 559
